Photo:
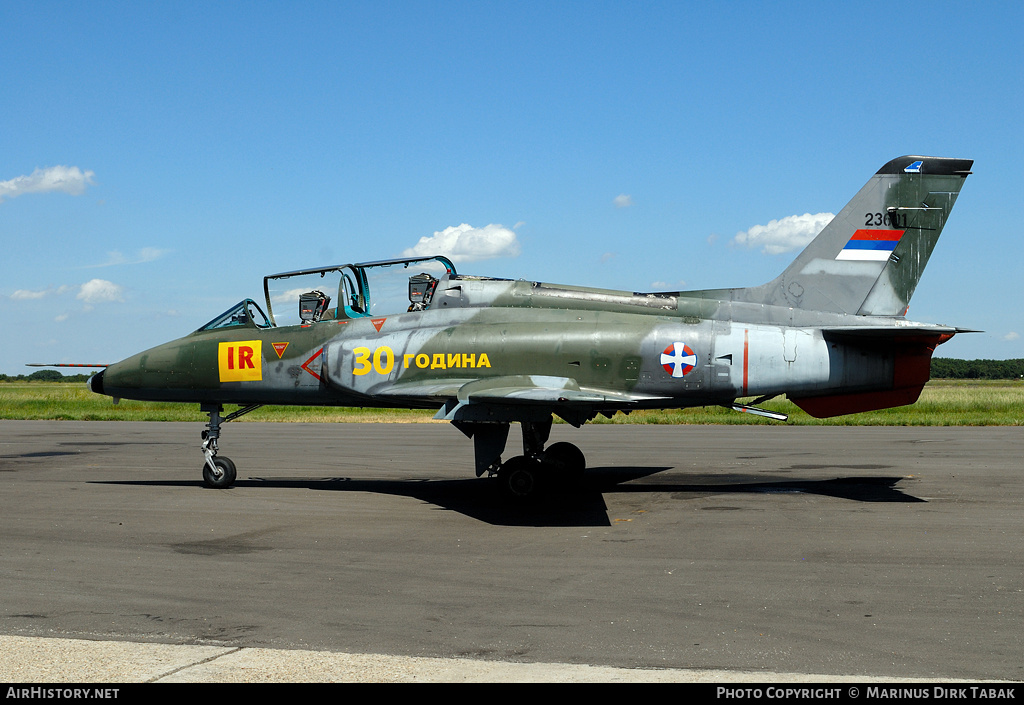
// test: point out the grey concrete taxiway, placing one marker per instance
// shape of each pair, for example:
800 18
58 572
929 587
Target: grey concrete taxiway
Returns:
838 552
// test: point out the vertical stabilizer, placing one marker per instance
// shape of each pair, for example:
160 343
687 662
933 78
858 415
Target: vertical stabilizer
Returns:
869 258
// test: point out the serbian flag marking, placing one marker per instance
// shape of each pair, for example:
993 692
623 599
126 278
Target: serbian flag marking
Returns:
678 359
874 245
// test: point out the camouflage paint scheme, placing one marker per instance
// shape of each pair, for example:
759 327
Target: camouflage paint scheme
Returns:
829 333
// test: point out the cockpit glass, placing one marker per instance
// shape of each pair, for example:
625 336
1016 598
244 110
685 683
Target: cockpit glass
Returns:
256 314
352 291
398 288
244 313
337 288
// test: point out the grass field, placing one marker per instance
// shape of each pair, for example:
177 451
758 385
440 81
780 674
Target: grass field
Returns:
943 403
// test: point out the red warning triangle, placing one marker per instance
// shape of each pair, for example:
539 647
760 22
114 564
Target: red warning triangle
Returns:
279 348
377 323
305 365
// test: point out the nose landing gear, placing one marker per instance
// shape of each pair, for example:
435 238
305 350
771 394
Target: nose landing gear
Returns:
219 471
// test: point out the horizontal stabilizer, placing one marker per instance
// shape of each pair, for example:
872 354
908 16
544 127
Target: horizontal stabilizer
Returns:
898 331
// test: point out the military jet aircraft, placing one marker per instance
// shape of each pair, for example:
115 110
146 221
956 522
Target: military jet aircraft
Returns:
830 333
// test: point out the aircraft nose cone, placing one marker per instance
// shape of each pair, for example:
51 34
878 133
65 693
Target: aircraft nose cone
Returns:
96 382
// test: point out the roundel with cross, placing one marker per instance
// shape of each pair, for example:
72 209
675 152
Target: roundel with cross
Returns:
678 359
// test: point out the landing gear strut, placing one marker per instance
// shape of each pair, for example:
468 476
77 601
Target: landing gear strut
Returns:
218 470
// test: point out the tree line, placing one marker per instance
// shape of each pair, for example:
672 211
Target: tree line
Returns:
952 368
46 376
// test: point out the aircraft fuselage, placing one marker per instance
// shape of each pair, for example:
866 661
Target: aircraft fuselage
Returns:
638 350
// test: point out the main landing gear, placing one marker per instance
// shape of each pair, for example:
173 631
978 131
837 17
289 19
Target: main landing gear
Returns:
219 471
528 476
524 478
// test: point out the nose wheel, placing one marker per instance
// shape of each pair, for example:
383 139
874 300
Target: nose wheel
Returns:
219 471
222 473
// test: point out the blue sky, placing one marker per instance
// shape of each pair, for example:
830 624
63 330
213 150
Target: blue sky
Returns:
157 159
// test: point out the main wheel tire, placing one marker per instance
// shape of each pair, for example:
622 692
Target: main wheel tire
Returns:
519 479
224 478
565 459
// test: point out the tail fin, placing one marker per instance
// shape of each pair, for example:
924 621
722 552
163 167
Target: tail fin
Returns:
869 258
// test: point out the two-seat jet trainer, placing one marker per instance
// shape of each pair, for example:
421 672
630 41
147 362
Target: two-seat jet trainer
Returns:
830 333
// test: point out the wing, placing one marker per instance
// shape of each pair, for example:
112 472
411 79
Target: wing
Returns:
516 397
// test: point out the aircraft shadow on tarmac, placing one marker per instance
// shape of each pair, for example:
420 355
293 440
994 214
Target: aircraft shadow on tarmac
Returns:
580 505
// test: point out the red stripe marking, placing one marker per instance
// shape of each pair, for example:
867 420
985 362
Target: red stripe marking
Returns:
878 235
746 348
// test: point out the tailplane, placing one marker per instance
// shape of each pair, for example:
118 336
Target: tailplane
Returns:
869 258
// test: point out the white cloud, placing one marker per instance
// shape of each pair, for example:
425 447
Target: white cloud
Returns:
97 291
29 295
785 234
467 244
289 296
146 254
66 179
623 200
26 295
94 291
1012 335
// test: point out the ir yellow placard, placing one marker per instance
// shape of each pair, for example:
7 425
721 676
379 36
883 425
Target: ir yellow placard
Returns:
241 361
